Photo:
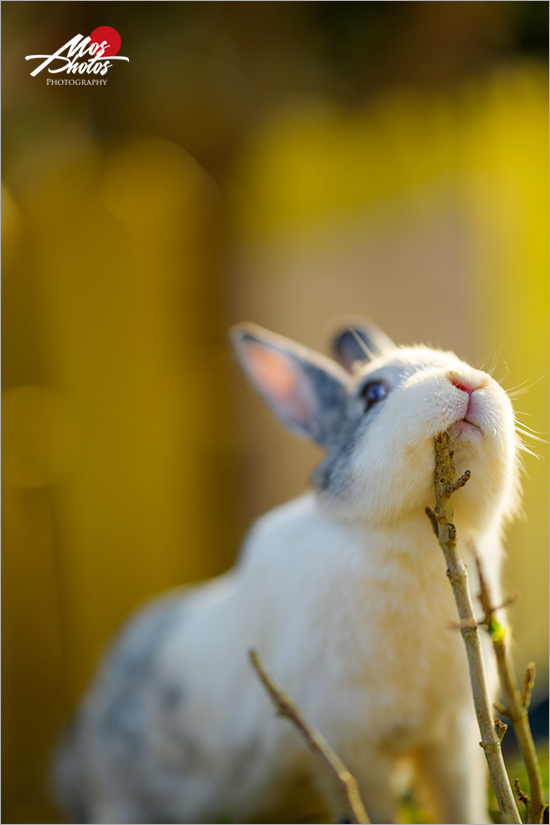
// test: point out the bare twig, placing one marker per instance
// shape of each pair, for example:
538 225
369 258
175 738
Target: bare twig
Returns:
287 707
441 518
517 703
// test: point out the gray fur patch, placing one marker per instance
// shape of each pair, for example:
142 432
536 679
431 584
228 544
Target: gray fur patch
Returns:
172 697
130 668
332 476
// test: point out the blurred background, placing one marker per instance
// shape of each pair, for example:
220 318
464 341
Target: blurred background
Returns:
284 163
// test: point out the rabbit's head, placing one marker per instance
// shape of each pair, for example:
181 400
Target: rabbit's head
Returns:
376 413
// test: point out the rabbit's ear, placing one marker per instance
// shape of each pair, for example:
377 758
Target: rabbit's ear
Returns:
358 343
306 391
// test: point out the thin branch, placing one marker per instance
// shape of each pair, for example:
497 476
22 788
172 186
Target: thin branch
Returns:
286 706
517 703
441 518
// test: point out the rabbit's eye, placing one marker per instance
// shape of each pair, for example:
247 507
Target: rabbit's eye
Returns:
373 392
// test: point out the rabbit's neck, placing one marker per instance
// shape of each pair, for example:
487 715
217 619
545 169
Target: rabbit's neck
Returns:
298 546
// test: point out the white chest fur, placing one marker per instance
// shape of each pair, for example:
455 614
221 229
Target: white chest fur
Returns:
354 623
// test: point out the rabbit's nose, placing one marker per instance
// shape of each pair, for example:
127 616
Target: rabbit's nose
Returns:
469 383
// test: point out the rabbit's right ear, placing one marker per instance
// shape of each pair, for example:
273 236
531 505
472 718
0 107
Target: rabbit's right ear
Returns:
358 342
306 391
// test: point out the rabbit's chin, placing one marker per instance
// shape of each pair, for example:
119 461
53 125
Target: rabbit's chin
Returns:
464 431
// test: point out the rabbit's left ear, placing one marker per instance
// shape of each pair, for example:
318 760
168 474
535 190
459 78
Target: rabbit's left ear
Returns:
306 391
358 343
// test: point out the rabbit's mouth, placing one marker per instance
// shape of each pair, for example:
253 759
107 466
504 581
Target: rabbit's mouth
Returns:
465 427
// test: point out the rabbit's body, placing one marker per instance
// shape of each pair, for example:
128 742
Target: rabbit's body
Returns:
343 594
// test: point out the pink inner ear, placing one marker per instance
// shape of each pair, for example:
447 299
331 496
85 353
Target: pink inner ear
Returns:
273 372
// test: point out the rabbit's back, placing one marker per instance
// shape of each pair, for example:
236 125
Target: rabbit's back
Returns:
107 736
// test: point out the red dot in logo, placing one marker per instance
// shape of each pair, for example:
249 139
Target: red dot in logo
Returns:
111 36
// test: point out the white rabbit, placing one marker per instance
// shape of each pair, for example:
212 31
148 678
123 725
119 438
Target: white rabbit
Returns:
343 594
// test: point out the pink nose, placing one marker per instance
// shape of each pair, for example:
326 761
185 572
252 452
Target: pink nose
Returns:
464 385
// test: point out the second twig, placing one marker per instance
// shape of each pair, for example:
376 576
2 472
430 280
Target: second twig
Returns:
287 707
